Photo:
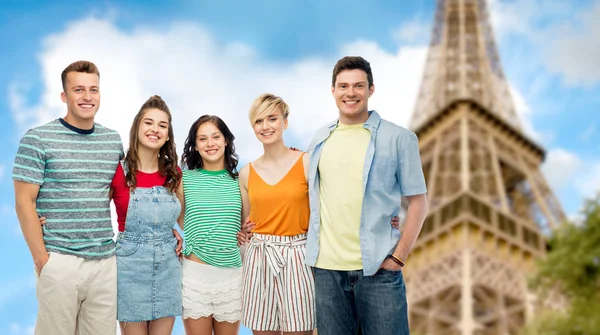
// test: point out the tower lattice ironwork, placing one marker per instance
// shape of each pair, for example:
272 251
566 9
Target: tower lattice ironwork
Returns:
490 205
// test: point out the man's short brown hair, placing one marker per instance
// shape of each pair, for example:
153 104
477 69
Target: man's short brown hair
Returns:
352 63
83 66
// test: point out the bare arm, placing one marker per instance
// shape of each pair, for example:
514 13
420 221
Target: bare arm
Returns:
306 163
181 198
244 234
25 206
415 216
244 172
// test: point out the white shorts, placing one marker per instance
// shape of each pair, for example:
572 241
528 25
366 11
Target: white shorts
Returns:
279 289
209 290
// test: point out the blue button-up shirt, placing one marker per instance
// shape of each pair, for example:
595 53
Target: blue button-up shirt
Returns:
392 169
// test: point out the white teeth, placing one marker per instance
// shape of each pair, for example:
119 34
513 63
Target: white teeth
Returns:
350 102
86 106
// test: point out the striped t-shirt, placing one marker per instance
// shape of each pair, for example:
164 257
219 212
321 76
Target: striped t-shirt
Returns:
74 169
213 212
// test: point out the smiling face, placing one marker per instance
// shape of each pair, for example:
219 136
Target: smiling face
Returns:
153 131
269 129
210 144
351 92
82 96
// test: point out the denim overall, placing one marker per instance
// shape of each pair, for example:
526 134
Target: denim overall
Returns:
148 269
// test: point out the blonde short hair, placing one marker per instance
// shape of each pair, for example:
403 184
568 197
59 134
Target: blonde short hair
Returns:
267 104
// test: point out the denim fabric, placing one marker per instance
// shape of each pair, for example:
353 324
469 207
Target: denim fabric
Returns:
148 269
346 299
392 169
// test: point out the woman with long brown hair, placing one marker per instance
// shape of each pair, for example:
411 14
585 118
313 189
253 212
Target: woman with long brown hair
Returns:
144 192
212 273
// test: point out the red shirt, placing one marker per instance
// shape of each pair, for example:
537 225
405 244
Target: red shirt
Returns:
121 190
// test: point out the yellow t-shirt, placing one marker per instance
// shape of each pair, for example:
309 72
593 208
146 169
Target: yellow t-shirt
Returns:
341 197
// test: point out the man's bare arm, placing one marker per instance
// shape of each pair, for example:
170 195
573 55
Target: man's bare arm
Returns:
25 205
413 222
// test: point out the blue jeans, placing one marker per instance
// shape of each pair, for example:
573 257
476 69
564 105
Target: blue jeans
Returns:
346 299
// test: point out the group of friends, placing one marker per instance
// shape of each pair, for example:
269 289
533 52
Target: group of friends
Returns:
291 242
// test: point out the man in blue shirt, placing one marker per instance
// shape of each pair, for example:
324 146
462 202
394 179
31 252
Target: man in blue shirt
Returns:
361 166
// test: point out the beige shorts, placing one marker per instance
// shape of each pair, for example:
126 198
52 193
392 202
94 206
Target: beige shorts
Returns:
77 296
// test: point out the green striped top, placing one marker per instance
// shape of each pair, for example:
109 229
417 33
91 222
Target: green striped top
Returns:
74 168
213 212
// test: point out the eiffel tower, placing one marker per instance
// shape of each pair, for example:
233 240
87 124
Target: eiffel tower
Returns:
490 206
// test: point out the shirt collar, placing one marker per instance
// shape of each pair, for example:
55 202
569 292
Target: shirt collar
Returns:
372 122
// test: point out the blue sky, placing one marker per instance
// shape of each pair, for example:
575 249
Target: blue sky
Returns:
216 56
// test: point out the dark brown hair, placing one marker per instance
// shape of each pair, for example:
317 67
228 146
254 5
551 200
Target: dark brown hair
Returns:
78 66
192 158
167 156
351 63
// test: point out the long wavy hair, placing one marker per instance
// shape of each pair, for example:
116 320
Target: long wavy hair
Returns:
167 155
191 157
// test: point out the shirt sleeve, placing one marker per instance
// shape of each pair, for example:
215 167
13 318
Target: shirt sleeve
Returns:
312 144
118 178
410 170
30 161
122 154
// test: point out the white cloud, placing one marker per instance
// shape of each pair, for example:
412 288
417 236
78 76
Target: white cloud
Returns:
525 17
17 329
197 74
509 17
565 35
416 30
2 171
588 182
574 50
572 178
561 168
572 175
525 115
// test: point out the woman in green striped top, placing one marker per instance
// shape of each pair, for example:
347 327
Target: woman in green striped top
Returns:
212 274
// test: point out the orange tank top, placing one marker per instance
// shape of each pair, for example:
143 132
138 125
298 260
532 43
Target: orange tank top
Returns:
281 209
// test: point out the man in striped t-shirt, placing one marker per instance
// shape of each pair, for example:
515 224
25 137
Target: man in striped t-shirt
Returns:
63 170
